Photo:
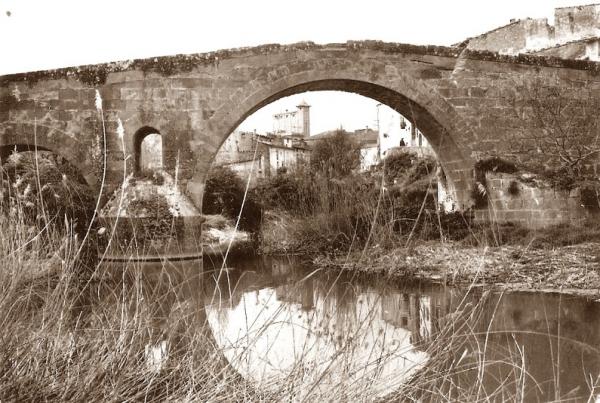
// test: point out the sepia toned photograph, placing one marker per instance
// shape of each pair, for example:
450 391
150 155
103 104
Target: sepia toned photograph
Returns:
316 201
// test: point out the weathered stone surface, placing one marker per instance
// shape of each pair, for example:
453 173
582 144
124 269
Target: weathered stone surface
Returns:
532 206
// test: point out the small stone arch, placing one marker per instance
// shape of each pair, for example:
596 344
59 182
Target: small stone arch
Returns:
26 136
7 149
148 150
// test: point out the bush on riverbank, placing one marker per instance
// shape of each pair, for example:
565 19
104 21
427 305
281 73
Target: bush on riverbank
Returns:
405 168
224 194
291 192
395 203
46 189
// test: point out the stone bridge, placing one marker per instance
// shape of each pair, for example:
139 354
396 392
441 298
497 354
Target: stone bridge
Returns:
465 102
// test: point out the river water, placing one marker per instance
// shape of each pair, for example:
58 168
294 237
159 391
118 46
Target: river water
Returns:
279 319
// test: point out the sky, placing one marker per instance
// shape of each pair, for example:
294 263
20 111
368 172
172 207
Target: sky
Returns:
44 34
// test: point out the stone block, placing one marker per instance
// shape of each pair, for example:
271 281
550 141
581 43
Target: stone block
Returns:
133 84
460 102
575 193
66 116
68 94
136 94
133 105
477 92
114 104
87 98
125 76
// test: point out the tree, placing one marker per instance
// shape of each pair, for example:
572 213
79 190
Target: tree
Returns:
565 130
224 194
335 156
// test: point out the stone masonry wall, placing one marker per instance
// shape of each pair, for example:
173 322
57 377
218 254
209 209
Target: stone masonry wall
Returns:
577 22
530 206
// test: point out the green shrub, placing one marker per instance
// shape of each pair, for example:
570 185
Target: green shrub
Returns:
513 188
338 213
292 192
160 220
336 156
224 194
396 166
47 189
405 167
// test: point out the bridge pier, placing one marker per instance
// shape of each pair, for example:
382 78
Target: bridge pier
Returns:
150 220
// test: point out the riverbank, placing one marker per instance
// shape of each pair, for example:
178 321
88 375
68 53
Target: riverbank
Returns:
509 257
220 237
569 269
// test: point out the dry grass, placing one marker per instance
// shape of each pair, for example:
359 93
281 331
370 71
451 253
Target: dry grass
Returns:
132 335
69 336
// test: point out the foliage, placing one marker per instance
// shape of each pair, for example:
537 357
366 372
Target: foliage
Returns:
566 132
292 192
153 217
336 214
513 188
76 340
405 168
47 188
336 156
224 194
141 335
156 177
396 165
546 238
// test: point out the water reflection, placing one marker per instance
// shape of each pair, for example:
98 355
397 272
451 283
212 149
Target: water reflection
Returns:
281 321
275 319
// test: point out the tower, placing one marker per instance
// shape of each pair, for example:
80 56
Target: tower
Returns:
304 110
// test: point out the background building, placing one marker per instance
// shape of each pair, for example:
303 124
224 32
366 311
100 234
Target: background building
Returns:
289 145
574 35
293 123
262 155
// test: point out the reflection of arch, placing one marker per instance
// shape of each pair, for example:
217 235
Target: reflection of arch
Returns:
147 143
414 99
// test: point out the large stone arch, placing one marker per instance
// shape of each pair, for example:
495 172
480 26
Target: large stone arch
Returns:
434 116
29 136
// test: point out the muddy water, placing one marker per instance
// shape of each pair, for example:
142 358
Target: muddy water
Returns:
276 318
